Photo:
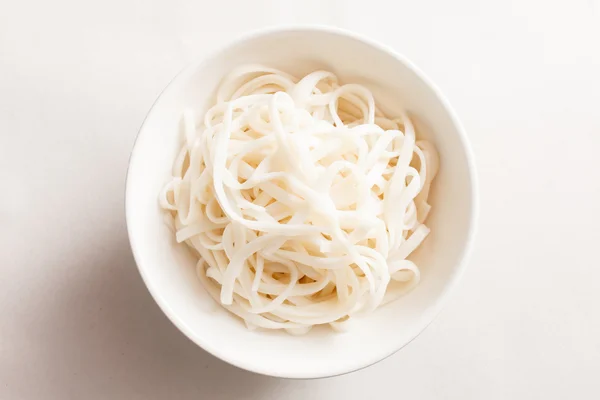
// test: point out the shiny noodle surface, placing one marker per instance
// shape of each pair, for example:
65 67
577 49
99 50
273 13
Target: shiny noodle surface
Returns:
300 198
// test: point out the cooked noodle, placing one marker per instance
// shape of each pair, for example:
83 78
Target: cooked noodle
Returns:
301 200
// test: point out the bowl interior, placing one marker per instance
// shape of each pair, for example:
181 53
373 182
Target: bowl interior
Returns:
168 268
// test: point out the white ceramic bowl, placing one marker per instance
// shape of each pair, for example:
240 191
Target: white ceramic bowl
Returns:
168 269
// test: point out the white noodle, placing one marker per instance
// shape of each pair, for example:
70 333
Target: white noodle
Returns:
301 200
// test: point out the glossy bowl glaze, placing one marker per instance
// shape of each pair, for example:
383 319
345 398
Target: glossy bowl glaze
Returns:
168 269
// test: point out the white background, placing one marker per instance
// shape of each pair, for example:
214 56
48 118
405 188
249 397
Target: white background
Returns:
76 80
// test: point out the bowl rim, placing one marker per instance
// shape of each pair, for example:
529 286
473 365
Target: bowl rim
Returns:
439 301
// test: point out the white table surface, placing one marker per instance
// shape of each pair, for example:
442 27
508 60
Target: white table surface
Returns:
76 80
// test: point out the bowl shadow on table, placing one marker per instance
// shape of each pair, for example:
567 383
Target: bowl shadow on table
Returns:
114 336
